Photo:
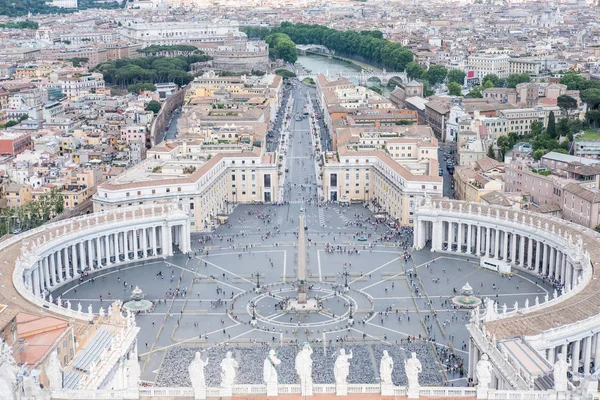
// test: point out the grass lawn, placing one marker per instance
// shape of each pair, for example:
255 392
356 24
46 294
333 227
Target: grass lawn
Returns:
590 134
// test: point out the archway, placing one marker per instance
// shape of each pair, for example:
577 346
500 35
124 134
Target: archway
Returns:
375 84
395 81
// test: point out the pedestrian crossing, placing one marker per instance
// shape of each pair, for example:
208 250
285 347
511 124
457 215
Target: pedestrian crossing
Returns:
321 217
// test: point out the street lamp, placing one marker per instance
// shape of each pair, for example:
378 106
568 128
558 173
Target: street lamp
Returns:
346 274
257 274
253 322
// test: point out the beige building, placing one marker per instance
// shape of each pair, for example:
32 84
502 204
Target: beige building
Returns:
391 168
207 183
17 194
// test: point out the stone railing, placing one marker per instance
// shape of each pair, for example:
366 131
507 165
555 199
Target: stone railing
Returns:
130 394
513 374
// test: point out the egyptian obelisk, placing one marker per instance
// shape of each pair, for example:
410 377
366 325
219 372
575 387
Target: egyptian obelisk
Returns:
301 262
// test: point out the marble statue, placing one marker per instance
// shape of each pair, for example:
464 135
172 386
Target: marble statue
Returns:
8 372
386 366
526 303
54 371
228 368
79 307
554 294
341 368
68 304
269 370
484 372
133 371
546 298
90 310
303 364
516 306
413 368
101 312
537 301
504 308
561 367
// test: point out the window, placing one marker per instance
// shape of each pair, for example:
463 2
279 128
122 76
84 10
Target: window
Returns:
153 191
168 190
179 189
191 206
243 177
127 194
233 177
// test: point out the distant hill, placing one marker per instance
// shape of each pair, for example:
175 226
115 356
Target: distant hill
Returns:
19 8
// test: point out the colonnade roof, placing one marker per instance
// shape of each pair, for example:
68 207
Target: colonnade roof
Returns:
9 252
576 308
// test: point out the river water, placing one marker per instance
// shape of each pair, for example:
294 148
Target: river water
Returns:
322 64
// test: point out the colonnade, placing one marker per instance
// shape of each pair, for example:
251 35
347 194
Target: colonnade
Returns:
499 242
69 260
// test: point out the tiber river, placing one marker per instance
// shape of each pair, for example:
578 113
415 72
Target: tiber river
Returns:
321 64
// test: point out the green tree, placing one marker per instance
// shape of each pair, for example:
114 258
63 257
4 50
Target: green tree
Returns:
491 78
456 75
488 85
282 47
153 106
140 87
503 143
537 128
551 128
567 104
514 79
562 127
538 154
476 92
414 70
591 97
490 152
454 89
573 80
435 74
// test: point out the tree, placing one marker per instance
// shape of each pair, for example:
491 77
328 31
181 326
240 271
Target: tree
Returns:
454 89
491 78
566 103
591 97
551 128
514 79
456 75
488 85
435 74
503 144
573 80
153 106
538 154
537 128
141 87
476 92
414 70
563 127
490 152
282 47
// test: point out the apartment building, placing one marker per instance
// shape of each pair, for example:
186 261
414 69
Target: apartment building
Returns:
484 64
524 66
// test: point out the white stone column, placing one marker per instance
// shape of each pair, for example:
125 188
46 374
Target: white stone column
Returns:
449 236
505 247
587 354
488 247
539 249
46 272
75 259
144 237
107 247
478 241
82 256
497 243
551 354
597 351
552 261
99 251
135 244
521 251
575 355
53 272
168 241
36 280
59 263
154 243
116 246
460 237
545 260
568 275
29 280
68 272
90 254
470 239
513 248
529 252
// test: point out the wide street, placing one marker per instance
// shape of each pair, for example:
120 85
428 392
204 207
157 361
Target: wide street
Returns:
373 295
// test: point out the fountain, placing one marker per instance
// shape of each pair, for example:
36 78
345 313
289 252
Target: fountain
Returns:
467 299
137 302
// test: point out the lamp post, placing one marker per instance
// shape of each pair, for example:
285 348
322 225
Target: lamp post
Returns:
257 274
346 274
253 322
